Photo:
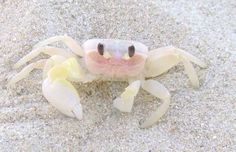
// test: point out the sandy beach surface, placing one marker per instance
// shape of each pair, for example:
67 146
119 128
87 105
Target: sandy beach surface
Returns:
201 119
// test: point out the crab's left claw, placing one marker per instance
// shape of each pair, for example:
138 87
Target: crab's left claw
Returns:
61 93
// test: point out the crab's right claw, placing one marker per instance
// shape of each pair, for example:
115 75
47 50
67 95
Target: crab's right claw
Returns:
61 93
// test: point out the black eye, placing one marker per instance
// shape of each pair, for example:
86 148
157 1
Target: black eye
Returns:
100 48
131 50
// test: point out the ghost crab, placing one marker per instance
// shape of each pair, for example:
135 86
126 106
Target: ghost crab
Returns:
105 59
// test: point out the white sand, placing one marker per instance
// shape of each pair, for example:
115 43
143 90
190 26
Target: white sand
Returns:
199 119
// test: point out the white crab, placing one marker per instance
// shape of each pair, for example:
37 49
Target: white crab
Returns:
106 59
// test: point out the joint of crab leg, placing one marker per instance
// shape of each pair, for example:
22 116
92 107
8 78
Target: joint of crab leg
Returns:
125 102
162 59
71 43
26 70
46 50
68 69
75 71
190 57
189 69
158 90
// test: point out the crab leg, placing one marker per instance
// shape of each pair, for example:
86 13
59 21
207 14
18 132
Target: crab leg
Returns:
158 90
162 59
44 64
189 69
46 50
26 70
125 102
71 43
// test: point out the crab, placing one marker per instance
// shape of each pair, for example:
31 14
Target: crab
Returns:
106 60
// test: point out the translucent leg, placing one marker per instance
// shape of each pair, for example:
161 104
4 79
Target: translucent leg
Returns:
26 70
71 43
162 59
125 102
45 64
158 90
189 69
46 50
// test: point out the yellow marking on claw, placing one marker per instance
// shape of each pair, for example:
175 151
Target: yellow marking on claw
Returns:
75 71
58 72
68 69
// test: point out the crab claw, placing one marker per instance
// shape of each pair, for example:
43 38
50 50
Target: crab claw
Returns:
61 93
63 97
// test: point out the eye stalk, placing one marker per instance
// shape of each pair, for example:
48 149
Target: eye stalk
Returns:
131 50
100 48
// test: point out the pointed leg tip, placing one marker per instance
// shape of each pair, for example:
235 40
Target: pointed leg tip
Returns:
8 85
145 125
122 109
10 82
195 85
148 124
15 66
142 126
204 65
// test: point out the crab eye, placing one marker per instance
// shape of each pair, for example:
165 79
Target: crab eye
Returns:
100 48
131 50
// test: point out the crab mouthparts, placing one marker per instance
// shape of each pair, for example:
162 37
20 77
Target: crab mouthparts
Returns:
115 65
116 61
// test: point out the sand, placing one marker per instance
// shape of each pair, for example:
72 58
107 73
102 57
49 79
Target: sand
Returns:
201 119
